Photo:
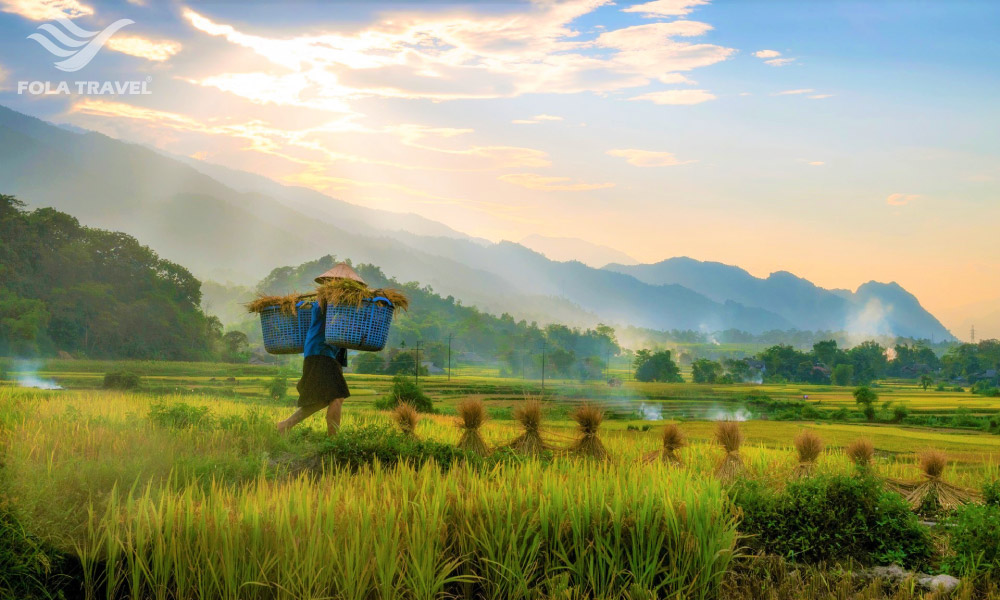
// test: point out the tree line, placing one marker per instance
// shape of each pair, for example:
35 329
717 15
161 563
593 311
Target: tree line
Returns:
973 364
94 293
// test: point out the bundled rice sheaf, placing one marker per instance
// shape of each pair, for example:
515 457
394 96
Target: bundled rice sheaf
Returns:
588 419
286 303
673 440
809 446
406 417
353 293
861 452
471 416
529 415
935 493
729 435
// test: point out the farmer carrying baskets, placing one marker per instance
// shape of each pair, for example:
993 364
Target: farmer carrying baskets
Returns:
322 384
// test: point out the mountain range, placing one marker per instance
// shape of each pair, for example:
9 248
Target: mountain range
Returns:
225 224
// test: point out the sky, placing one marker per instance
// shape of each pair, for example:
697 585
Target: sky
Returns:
841 141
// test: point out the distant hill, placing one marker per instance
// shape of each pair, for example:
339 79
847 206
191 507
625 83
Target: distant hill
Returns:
227 225
875 308
565 249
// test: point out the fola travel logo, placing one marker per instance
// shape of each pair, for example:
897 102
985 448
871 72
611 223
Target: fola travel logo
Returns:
78 46
75 47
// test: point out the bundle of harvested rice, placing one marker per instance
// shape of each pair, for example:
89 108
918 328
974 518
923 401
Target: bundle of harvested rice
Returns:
529 415
809 446
349 292
934 493
588 418
729 435
861 452
406 417
471 416
285 303
673 440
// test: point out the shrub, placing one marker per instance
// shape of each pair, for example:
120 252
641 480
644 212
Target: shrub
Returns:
841 414
985 388
354 447
405 390
180 415
277 389
832 517
899 412
121 380
963 417
974 531
29 567
991 493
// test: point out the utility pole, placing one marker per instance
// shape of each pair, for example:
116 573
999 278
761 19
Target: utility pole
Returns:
416 370
449 357
607 366
973 334
544 343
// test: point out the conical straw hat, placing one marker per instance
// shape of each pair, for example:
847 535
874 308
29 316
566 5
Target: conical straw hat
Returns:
341 271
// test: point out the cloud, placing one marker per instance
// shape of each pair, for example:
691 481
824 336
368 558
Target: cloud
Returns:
460 55
820 96
536 119
143 48
533 181
773 55
646 158
816 163
3 76
677 97
901 199
46 10
665 8
793 92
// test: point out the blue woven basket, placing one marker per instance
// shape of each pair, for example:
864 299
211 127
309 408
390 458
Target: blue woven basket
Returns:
285 333
363 328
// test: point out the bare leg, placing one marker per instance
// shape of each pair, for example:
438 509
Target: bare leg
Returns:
333 416
298 416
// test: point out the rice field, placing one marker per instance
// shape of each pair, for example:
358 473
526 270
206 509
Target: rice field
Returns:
158 511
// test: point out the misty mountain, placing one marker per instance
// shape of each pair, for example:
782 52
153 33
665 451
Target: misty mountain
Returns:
876 308
566 249
359 219
229 225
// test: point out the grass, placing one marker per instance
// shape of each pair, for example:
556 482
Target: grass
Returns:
190 491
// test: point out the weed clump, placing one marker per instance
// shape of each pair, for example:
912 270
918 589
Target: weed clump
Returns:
729 435
405 390
121 380
809 446
529 415
855 517
471 416
181 416
356 447
588 419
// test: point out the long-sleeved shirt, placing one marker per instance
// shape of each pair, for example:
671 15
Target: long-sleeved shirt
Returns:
316 338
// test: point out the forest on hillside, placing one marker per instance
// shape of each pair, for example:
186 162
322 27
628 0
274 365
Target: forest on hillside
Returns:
94 293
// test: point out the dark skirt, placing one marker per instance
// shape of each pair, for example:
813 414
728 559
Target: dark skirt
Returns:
322 381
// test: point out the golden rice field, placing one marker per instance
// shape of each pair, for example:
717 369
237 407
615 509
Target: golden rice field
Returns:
202 512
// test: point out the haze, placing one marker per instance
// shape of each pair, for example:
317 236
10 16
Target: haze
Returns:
860 144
